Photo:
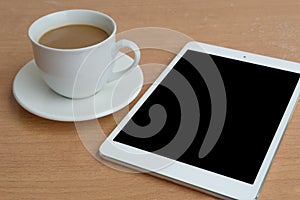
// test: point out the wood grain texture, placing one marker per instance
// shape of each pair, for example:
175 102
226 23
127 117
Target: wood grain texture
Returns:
43 159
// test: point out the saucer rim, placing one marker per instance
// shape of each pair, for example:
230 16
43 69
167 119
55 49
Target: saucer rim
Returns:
72 118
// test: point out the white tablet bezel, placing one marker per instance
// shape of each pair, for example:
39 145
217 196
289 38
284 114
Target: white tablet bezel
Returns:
190 175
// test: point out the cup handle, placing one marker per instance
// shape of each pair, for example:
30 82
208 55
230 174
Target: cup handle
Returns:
137 55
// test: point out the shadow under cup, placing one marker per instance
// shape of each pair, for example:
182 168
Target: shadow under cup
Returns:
74 73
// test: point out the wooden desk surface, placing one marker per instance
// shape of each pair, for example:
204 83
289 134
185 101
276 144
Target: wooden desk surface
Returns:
43 159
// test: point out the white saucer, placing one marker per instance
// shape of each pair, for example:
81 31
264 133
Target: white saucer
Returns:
34 95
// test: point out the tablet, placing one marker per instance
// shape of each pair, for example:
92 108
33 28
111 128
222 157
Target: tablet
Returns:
213 120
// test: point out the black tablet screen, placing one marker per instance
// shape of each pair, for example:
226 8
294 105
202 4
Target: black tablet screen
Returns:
241 113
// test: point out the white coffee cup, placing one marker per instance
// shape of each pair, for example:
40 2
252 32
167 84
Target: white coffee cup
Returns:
82 72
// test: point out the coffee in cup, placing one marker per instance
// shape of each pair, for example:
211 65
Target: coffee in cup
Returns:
73 36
